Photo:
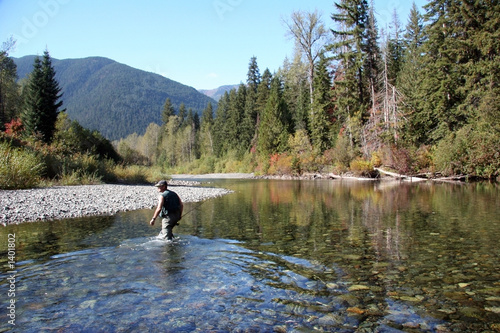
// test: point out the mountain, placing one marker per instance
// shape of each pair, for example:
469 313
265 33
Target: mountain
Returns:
113 98
217 93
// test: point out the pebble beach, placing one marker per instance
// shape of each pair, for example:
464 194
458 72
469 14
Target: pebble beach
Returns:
60 202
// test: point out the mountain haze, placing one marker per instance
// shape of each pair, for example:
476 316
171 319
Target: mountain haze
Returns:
113 98
217 93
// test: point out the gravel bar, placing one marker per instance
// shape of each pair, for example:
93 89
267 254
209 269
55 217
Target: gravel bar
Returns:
60 202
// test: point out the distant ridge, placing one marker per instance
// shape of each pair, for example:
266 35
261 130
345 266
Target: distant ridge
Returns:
217 93
113 98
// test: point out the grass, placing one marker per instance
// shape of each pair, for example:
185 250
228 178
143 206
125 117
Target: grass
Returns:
18 168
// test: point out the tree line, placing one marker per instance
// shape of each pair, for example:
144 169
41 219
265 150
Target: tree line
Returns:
421 99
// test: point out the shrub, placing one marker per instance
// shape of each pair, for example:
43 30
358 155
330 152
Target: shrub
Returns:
343 152
281 164
14 128
400 159
469 151
376 159
361 167
18 168
79 178
138 174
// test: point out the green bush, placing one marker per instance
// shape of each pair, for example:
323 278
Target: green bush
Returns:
470 151
18 168
361 167
343 153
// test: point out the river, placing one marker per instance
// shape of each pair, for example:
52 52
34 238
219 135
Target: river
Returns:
273 256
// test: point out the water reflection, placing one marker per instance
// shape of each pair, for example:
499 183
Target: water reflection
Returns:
281 256
432 246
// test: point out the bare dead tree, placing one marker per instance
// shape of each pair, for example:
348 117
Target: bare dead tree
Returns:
310 35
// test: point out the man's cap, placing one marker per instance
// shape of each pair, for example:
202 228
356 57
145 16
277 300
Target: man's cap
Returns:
161 183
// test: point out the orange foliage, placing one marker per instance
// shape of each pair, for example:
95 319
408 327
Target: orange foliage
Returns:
14 127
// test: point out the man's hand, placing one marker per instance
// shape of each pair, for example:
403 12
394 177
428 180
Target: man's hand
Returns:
152 222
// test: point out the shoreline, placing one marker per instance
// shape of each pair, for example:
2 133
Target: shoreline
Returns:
62 202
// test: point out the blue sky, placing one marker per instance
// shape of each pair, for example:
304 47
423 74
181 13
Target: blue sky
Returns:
203 44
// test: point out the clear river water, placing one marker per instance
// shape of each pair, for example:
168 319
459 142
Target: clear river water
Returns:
273 256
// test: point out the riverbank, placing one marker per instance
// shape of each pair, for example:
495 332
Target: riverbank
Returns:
60 202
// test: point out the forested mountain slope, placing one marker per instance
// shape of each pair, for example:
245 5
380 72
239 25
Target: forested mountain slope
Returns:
113 98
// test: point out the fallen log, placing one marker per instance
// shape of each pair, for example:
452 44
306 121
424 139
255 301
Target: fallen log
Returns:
400 176
451 179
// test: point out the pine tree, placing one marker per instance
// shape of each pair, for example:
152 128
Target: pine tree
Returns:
394 50
31 115
480 60
167 111
41 104
263 90
249 122
321 109
182 114
275 125
372 58
350 81
262 96
251 109
253 76
235 114
220 131
9 97
441 91
296 90
410 80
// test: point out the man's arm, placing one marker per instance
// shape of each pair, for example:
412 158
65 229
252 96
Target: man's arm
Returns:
158 209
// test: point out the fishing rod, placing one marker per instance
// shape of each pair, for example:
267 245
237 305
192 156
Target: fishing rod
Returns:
195 207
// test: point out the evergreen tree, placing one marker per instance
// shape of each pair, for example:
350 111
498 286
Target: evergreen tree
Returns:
249 122
262 96
182 114
275 125
263 90
296 90
220 131
394 50
235 117
9 97
321 109
441 91
251 110
479 60
167 111
414 36
253 76
245 119
41 104
410 79
350 83
372 58
31 115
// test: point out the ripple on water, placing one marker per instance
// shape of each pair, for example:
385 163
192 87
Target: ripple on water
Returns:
192 283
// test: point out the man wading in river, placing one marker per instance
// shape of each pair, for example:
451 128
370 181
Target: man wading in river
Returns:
169 208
